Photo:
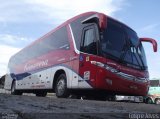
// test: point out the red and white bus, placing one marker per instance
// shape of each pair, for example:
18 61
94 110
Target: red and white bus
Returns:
91 53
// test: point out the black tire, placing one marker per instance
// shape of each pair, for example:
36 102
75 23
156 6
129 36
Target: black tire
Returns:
149 101
41 94
157 101
13 89
61 87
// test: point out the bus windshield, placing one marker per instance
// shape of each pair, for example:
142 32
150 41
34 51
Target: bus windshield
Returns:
120 43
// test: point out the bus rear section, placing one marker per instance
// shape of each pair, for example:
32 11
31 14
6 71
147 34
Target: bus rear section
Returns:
89 53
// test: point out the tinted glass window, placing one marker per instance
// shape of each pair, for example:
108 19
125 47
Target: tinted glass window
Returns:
142 54
54 41
132 36
89 44
120 43
136 55
113 40
77 28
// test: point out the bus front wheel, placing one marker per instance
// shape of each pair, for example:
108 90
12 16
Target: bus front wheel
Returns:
61 87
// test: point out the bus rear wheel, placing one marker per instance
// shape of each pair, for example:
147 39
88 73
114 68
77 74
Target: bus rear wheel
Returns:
13 89
61 87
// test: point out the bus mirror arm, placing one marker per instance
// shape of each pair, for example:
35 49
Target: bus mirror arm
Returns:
154 43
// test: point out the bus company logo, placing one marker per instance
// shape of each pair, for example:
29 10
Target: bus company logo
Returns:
29 67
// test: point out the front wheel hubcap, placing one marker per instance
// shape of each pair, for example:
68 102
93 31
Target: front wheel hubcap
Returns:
60 86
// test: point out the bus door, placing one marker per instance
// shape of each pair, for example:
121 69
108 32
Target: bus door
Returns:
88 54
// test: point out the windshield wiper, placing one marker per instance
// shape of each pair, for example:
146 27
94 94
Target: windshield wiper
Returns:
135 53
128 47
140 57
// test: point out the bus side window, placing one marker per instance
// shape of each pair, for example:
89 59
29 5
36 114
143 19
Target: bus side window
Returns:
89 41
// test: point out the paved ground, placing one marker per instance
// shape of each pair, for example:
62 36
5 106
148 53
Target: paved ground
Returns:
31 107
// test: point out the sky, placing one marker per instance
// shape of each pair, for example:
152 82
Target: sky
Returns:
23 21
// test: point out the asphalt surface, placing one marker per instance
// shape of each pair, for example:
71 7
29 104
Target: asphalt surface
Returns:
32 107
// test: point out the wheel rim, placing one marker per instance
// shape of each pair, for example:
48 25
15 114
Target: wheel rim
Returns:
60 86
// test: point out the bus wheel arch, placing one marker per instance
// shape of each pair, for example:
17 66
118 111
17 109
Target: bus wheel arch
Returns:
13 88
60 84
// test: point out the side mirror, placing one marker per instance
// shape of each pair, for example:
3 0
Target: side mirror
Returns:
98 18
154 43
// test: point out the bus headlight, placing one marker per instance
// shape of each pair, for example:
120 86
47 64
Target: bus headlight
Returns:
107 67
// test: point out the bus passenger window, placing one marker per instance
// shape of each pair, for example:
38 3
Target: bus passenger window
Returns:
89 44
